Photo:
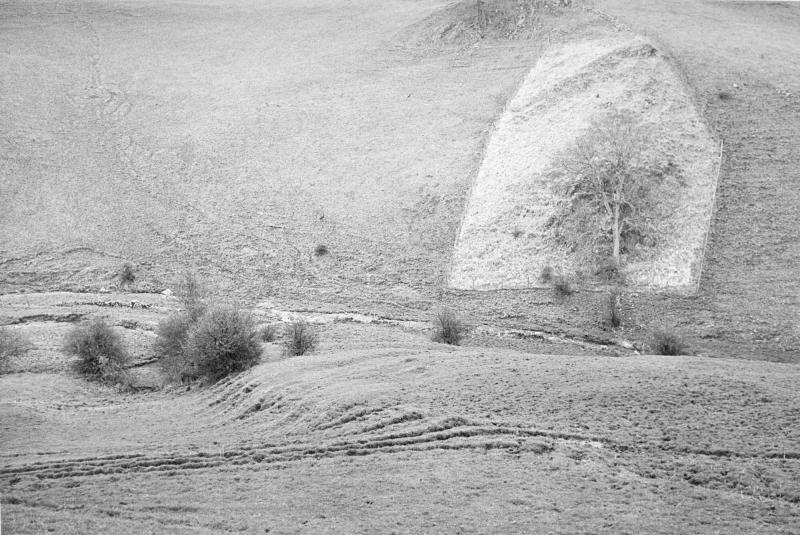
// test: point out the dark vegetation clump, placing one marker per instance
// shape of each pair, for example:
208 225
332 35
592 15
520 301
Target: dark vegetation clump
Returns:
448 328
102 354
268 333
191 295
127 274
609 271
613 309
205 341
516 233
562 286
497 19
724 95
547 274
666 342
300 338
321 250
170 347
616 195
12 345
223 341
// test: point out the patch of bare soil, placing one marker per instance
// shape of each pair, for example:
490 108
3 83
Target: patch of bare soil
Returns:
380 422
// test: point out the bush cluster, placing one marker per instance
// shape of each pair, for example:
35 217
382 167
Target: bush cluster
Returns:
562 286
12 345
223 341
666 342
127 274
448 328
205 341
170 347
269 333
301 338
101 353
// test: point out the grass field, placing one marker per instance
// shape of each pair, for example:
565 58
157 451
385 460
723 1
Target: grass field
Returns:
381 430
235 139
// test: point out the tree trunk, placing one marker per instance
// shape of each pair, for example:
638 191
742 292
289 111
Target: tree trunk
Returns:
615 253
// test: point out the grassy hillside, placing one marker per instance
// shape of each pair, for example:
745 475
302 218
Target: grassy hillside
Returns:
234 139
742 61
382 430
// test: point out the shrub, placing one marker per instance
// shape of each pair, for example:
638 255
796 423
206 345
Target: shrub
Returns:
102 355
170 347
192 296
547 274
613 303
126 274
320 250
448 328
608 271
724 95
268 333
301 338
222 342
12 345
562 286
666 342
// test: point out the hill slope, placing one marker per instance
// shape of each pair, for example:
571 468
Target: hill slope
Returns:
234 139
383 430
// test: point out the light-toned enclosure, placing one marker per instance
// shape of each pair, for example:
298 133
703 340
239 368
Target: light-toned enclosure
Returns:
503 241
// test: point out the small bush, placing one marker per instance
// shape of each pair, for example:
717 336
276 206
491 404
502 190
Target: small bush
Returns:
608 271
321 250
12 345
268 333
613 303
547 274
126 275
517 232
448 328
170 347
666 342
724 95
222 342
301 338
102 355
192 296
562 286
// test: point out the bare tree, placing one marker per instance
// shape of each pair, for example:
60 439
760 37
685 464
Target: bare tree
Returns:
613 188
